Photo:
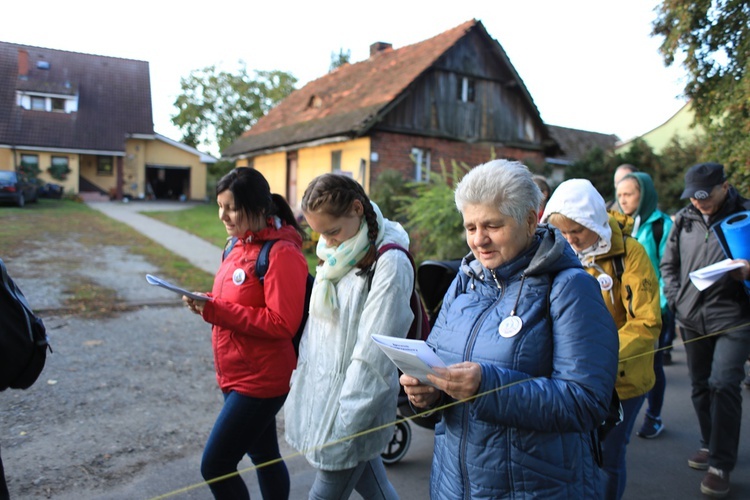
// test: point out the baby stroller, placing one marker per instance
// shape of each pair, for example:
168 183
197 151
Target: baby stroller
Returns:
433 279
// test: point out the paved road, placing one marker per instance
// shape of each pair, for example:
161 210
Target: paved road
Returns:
657 469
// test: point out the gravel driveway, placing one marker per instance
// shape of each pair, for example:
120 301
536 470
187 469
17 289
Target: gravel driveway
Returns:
119 393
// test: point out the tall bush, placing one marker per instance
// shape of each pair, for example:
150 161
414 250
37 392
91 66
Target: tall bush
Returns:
434 223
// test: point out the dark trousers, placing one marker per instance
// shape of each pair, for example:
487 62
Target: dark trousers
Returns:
655 396
245 425
614 447
4 494
717 367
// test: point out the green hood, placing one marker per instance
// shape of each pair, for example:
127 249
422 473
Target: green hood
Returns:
648 202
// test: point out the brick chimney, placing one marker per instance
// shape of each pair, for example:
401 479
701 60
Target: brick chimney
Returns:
23 63
379 47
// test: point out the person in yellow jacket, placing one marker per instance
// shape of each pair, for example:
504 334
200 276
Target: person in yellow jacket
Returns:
602 241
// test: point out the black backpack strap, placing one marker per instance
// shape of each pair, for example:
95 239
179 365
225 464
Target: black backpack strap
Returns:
228 247
658 230
619 265
261 265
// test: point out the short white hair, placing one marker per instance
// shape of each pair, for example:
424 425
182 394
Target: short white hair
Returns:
506 185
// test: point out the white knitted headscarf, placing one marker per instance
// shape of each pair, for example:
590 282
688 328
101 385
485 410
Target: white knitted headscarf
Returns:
578 200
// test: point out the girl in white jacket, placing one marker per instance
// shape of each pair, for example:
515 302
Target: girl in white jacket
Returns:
344 385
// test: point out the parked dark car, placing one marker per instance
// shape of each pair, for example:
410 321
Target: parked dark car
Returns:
14 190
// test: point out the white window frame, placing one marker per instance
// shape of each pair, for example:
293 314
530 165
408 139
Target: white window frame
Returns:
69 103
421 159
465 83
38 103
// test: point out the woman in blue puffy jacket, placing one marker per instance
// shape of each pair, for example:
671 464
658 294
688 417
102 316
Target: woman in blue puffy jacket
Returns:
531 352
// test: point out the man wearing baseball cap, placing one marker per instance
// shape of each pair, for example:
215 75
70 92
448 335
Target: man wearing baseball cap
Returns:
714 323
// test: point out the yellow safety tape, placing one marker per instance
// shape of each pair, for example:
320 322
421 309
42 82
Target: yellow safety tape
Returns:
406 419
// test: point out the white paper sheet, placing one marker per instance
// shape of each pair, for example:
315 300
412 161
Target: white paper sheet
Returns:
412 357
707 276
153 280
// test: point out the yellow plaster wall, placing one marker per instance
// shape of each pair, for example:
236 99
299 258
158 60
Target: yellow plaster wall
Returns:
6 159
317 160
273 168
107 183
134 168
138 153
312 162
70 184
679 126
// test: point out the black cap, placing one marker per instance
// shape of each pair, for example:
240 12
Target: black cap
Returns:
700 179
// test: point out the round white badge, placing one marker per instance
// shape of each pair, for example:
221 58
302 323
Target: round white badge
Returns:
238 277
701 195
605 282
510 326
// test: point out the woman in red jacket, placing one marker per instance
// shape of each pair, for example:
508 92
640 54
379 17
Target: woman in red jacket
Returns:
253 325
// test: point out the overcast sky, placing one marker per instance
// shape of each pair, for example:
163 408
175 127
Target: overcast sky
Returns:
588 64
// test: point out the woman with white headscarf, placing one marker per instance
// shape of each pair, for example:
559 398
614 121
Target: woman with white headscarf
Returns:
631 292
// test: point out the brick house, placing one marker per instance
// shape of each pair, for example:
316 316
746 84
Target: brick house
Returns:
453 97
89 117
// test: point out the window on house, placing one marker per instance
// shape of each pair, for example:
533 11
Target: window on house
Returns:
38 103
421 158
315 102
59 168
29 167
466 89
60 161
58 104
30 160
104 165
336 161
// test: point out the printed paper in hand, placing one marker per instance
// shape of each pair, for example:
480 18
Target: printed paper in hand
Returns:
153 280
412 357
707 276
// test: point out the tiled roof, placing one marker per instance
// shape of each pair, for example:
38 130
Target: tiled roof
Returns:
347 100
114 99
576 143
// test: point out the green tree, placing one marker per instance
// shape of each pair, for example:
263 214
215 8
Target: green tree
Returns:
666 169
391 192
598 167
338 60
216 107
714 38
674 159
434 223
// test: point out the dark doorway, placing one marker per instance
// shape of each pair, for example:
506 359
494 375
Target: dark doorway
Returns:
167 183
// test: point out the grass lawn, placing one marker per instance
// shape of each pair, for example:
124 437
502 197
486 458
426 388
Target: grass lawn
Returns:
50 220
203 221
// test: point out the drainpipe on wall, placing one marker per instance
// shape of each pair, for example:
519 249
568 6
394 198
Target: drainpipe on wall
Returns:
118 169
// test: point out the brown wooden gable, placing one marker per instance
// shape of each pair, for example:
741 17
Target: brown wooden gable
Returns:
354 98
501 109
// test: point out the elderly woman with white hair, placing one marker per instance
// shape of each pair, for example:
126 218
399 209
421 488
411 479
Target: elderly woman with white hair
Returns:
531 353
630 290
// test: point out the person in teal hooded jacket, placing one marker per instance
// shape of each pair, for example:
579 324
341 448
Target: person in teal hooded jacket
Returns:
636 197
